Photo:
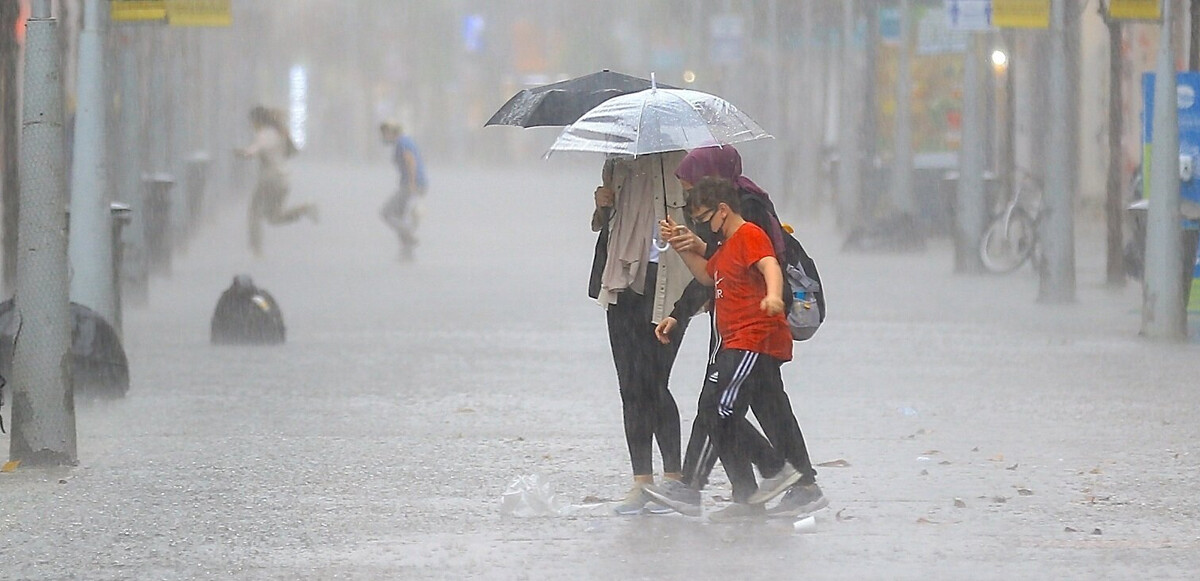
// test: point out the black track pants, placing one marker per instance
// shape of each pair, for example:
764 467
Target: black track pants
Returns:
701 455
747 379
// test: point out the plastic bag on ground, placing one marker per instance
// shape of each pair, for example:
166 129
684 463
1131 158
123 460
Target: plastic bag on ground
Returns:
532 495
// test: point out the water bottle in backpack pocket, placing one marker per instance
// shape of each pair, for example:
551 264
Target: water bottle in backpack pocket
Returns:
804 314
806 302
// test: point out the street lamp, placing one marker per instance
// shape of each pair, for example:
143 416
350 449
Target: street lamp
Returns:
999 60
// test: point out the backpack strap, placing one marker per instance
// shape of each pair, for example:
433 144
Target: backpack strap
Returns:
761 213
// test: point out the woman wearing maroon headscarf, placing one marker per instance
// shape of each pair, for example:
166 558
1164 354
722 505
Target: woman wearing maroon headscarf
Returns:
725 162
684 495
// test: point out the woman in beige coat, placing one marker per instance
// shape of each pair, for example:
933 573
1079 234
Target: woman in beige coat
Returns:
272 146
638 284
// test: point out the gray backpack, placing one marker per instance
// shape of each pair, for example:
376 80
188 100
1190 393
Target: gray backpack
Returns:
805 298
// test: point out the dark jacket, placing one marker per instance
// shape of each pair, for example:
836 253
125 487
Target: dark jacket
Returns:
247 315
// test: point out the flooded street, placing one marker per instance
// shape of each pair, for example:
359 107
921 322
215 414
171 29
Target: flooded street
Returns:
981 434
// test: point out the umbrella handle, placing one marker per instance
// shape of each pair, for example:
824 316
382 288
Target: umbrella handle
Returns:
663 248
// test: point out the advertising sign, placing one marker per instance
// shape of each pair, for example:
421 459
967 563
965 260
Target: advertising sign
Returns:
937 73
199 13
1134 9
1187 90
137 10
1021 13
969 14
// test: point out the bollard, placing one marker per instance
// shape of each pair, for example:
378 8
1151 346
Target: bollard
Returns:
157 221
121 217
195 182
1135 256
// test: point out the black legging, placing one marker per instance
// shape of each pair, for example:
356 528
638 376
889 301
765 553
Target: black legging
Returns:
643 370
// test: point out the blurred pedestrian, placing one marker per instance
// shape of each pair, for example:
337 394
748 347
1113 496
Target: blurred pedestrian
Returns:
401 212
637 283
272 146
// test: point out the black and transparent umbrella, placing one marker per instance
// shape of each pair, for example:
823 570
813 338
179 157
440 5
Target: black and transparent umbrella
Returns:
562 103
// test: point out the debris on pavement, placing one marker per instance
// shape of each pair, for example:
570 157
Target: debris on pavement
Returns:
839 463
531 495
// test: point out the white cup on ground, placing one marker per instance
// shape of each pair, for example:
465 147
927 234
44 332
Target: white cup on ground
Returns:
805 525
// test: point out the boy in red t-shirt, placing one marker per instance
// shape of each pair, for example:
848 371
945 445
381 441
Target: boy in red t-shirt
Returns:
755 341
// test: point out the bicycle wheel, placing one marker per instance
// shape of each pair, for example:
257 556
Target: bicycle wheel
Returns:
1006 249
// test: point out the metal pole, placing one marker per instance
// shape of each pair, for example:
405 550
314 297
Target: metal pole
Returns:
1113 208
1057 229
9 53
809 146
902 163
775 100
1164 316
135 285
970 218
157 185
92 283
849 178
43 415
1194 37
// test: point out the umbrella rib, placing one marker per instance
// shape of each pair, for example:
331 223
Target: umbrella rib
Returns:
641 118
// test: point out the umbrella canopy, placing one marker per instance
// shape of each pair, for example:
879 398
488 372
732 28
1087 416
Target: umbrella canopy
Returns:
657 120
563 102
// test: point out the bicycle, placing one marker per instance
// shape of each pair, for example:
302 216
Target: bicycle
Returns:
1011 237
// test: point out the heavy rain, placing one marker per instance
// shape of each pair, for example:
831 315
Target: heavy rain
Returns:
336 312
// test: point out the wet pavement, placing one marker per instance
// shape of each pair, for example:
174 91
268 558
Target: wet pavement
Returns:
981 434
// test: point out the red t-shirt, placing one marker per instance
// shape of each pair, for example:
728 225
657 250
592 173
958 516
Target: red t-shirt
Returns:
739 289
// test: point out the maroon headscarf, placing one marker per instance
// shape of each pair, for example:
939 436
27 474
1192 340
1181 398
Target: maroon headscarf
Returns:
725 162
717 162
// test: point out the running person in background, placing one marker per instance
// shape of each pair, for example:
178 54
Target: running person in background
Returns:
400 211
272 146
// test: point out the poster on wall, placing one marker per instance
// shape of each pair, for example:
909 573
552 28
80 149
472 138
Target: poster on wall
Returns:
937 75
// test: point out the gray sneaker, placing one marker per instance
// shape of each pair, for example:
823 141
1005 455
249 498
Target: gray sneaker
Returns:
637 502
774 486
738 512
800 500
676 495
633 503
